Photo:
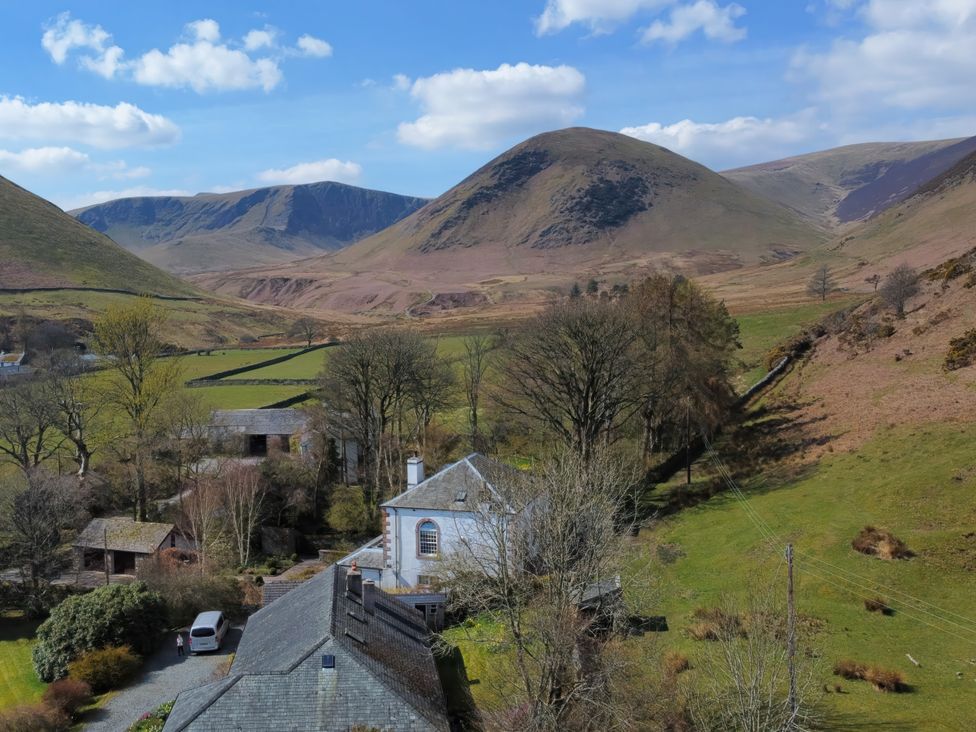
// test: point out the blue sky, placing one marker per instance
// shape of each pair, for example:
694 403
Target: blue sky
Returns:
104 99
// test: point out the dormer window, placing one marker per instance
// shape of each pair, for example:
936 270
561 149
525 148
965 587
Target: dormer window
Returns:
428 540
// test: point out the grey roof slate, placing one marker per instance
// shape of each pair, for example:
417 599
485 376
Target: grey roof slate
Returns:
123 534
384 675
260 421
272 591
368 556
459 486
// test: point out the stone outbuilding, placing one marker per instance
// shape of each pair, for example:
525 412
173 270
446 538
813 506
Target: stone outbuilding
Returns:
124 544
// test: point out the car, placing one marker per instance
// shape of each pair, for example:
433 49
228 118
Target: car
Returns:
208 631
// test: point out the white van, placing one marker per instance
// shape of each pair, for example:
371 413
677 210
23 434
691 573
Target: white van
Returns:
208 631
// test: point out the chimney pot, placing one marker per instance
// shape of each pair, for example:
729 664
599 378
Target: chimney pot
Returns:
354 580
369 596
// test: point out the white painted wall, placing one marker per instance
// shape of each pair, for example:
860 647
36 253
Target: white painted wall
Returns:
404 562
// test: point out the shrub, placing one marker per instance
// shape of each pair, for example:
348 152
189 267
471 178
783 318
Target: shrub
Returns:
713 623
348 513
106 668
187 591
115 615
68 695
33 718
153 721
675 663
881 679
962 351
880 543
877 605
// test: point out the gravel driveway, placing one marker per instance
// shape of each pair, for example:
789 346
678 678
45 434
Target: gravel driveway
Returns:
163 677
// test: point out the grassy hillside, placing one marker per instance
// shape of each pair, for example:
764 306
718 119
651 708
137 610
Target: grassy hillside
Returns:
41 246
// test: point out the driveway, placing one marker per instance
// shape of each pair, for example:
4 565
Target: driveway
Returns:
163 677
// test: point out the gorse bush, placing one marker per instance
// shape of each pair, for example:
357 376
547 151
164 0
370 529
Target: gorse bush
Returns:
116 615
880 543
105 668
881 679
962 351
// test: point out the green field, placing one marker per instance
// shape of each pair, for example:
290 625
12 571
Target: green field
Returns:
198 365
759 332
307 366
246 397
18 682
918 483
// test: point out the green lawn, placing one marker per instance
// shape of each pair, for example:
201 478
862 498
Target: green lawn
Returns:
919 484
759 332
18 682
307 366
246 397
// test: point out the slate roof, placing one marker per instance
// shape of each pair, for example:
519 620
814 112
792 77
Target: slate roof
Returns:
123 534
261 421
459 486
271 591
384 675
368 556
10 359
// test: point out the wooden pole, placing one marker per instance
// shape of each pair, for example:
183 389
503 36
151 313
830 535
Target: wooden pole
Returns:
688 443
105 557
791 631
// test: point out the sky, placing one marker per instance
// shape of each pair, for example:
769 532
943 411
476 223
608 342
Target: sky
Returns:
106 99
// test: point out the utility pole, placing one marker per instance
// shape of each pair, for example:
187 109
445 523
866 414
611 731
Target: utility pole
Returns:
791 631
105 554
688 442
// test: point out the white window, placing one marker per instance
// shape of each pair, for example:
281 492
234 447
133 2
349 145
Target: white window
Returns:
425 580
427 539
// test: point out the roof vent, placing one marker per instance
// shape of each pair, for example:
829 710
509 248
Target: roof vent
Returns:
328 661
358 639
461 496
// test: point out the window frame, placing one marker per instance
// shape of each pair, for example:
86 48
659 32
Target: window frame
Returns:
437 539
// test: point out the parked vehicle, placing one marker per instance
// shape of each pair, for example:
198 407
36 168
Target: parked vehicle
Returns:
208 631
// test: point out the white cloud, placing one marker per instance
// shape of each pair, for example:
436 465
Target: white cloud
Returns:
124 125
63 35
205 64
314 47
915 54
256 39
737 141
474 109
401 82
598 15
43 160
81 200
716 22
119 170
312 172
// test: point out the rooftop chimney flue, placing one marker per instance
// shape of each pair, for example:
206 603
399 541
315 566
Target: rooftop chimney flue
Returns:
415 472
369 596
354 580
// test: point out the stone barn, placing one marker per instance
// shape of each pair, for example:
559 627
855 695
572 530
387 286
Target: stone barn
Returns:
124 544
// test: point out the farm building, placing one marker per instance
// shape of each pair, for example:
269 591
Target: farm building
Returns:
123 543
12 364
263 431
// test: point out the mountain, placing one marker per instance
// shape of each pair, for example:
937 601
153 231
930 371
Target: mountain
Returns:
41 246
214 231
557 207
837 187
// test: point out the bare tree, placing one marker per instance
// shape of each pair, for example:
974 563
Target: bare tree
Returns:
305 328
204 522
874 279
242 491
79 403
28 424
899 286
185 440
142 380
573 371
475 363
745 687
32 521
431 390
821 283
538 546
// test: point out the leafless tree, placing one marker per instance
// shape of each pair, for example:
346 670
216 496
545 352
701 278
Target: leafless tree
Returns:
874 279
899 286
821 283
432 390
33 518
747 680
537 546
479 352
573 371
28 424
205 519
305 328
242 491
79 403
185 424
141 382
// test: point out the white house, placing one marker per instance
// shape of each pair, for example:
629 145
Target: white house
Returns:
434 517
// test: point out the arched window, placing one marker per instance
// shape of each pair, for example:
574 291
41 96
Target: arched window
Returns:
427 539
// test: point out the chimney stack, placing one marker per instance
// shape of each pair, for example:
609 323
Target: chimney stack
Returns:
369 596
415 472
354 580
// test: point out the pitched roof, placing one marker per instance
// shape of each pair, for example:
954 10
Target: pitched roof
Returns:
261 421
271 591
368 556
10 359
124 535
384 674
458 487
